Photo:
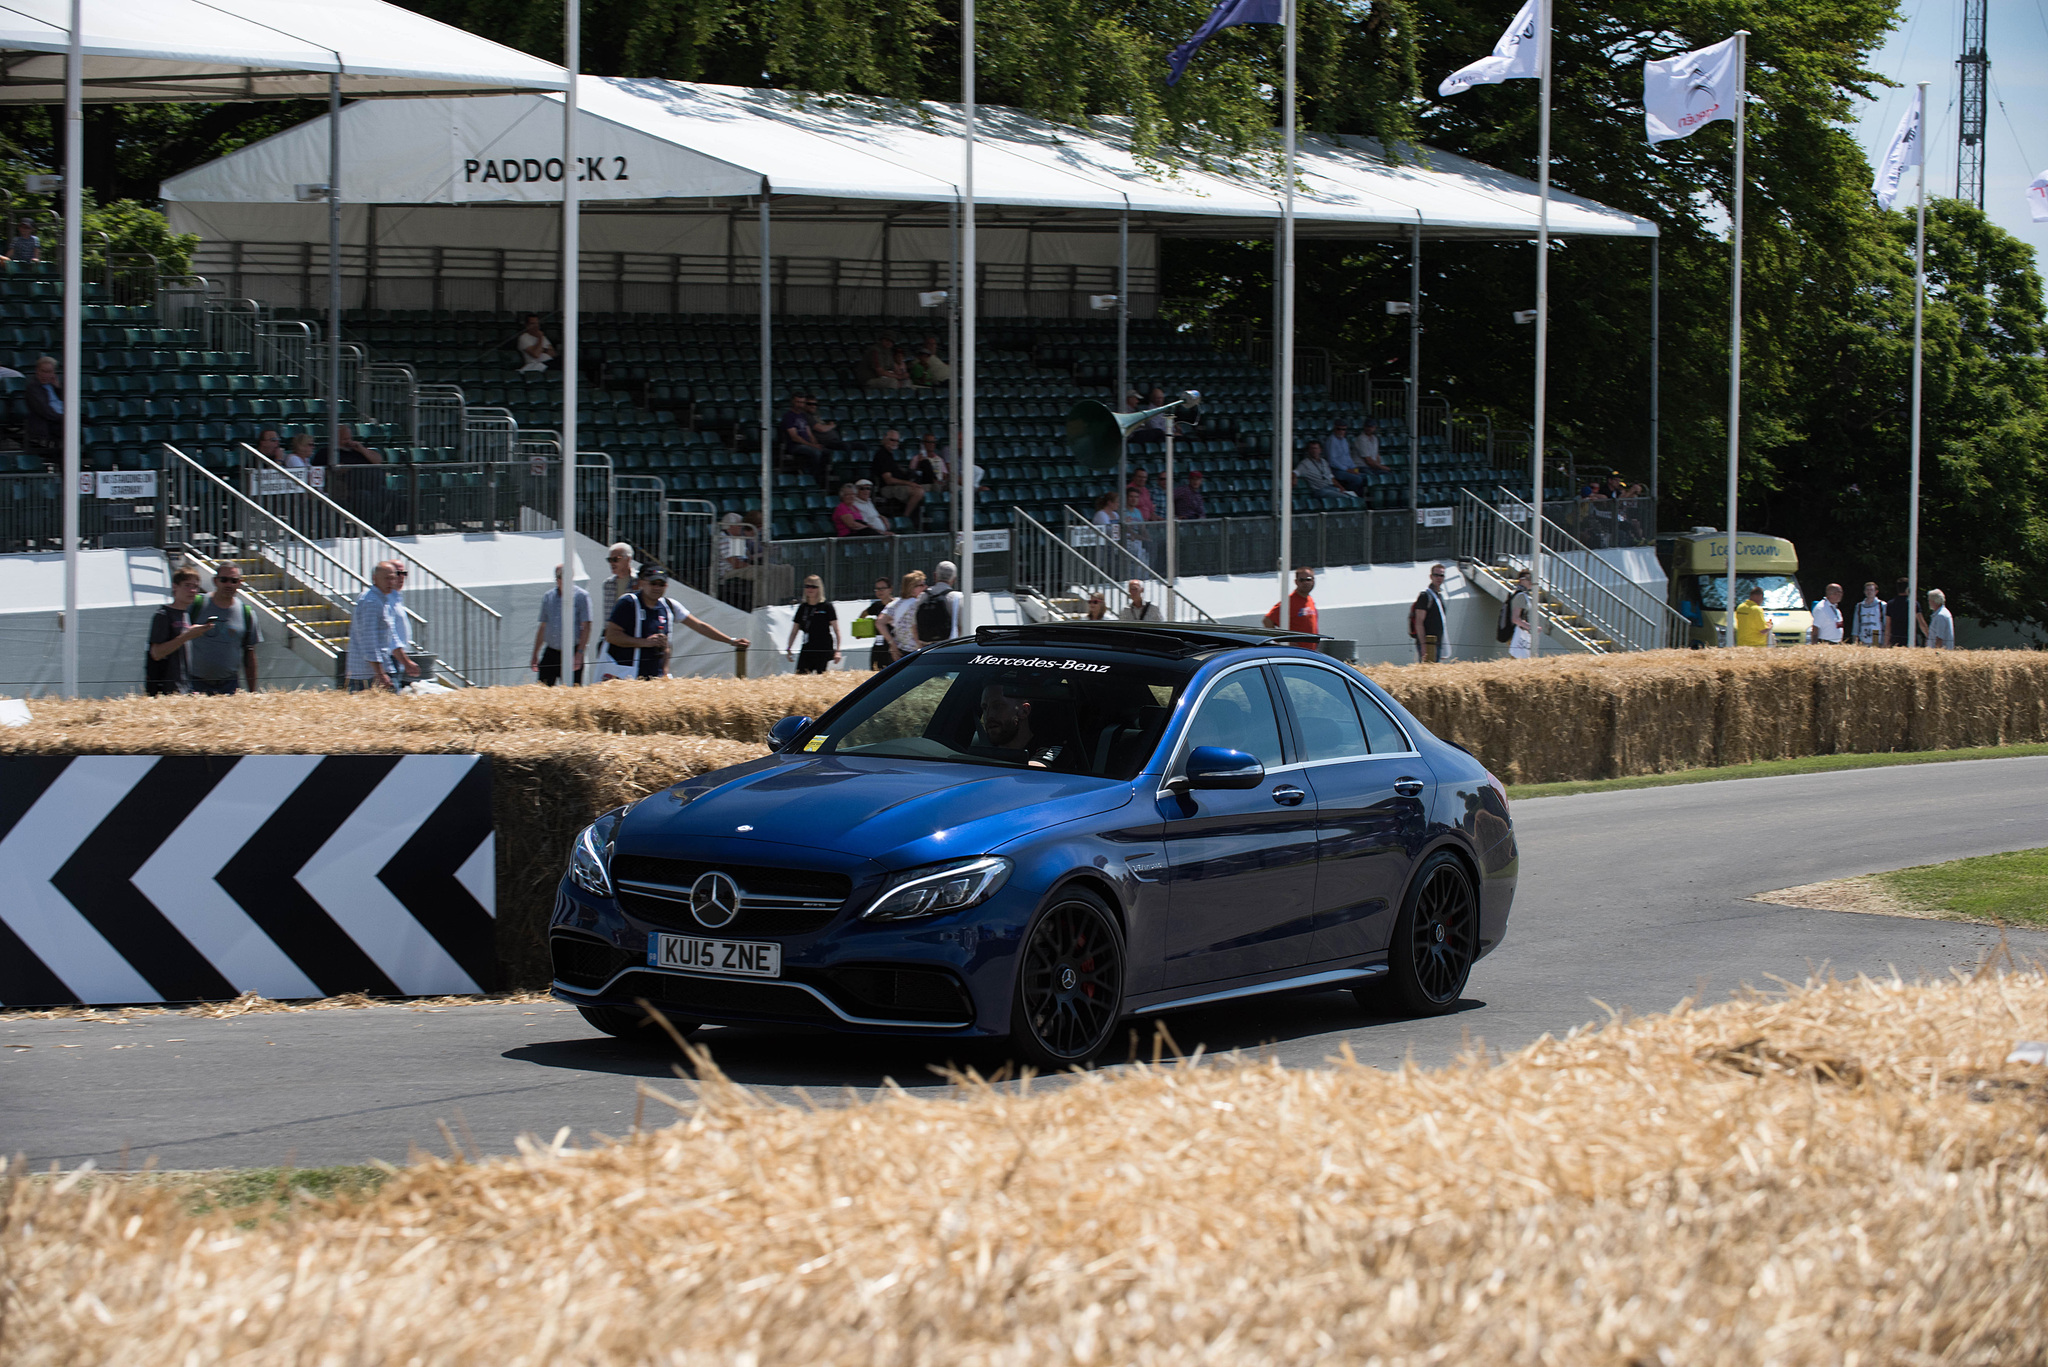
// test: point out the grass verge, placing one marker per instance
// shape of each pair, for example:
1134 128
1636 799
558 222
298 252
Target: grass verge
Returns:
1848 1169
2004 889
1773 768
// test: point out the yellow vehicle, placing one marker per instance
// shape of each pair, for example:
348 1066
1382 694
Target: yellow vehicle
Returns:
1699 585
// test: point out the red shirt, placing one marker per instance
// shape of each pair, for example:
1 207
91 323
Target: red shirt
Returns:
1301 614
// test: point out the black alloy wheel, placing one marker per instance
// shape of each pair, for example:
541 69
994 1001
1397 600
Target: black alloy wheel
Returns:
632 1023
1436 938
1070 983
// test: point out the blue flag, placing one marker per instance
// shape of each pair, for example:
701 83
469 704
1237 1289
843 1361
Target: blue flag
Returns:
1227 14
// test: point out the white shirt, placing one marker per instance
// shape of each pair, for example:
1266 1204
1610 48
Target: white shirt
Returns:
901 617
1827 621
871 514
1941 629
535 348
1144 612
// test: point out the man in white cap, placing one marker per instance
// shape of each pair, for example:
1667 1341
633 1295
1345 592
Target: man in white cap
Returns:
864 504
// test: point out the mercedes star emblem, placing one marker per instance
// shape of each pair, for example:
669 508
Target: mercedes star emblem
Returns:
1067 978
714 899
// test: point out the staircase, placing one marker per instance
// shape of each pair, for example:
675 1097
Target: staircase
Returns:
1588 605
1059 570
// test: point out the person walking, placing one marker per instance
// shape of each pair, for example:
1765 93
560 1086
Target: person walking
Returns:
1899 614
378 642
879 654
1301 606
640 634
230 640
1138 609
818 623
546 660
1752 625
1518 616
937 615
619 556
1867 621
1426 620
1828 618
900 620
164 669
1941 626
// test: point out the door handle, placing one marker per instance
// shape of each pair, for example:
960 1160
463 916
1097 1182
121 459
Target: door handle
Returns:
1289 796
1408 787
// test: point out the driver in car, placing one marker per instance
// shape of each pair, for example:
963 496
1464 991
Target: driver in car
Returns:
1045 742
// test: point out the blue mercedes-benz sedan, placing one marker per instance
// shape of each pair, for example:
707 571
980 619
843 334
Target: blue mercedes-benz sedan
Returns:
1039 831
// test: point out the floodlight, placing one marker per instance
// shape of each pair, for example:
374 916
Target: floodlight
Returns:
42 185
1101 303
310 194
931 299
1525 315
1396 306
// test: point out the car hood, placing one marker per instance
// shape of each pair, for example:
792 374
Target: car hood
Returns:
896 812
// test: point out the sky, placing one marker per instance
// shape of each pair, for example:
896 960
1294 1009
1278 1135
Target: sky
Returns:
1924 48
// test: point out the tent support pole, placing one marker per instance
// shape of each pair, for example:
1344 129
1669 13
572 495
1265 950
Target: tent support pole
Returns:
763 532
572 303
1414 383
334 269
1656 361
967 307
74 333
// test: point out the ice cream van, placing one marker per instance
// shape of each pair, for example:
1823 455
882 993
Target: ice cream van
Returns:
1699 585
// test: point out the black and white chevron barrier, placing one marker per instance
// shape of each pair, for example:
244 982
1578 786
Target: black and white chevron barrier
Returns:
140 878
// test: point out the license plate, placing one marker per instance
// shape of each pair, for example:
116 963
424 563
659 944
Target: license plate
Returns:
719 958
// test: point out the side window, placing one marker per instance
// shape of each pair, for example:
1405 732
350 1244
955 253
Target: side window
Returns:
1238 715
1381 731
1322 706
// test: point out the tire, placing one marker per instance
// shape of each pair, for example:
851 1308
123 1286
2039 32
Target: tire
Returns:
631 1023
1436 939
1070 983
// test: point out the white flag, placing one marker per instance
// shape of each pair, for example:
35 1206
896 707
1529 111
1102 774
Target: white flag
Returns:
1517 56
1905 151
1681 94
2037 197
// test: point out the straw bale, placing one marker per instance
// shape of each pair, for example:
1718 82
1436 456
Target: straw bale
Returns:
1584 717
1846 1173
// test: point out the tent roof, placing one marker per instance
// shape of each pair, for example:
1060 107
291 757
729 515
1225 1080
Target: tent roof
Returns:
837 157
148 50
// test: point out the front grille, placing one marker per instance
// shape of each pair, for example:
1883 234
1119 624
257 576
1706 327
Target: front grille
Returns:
582 962
693 997
901 993
657 891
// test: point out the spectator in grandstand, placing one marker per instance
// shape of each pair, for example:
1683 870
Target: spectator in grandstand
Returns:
825 432
1343 463
164 668
1828 619
1098 607
847 518
1312 474
1426 620
1108 517
879 654
1188 505
1366 451
379 641
900 621
536 352
1866 621
349 451
299 457
925 366
42 429
801 450
877 369
928 466
546 660
230 640
897 490
864 504
1301 604
1138 496
1137 609
619 556
899 370
639 638
1899 615
818 623
1941 626
24 245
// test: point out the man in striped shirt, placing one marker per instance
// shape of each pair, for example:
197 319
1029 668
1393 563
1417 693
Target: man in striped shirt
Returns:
378 638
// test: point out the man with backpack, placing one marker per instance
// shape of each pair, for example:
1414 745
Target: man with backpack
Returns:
170 631
937 615
1513 627
230 640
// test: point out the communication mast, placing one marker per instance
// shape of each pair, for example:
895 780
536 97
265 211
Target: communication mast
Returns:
1976 75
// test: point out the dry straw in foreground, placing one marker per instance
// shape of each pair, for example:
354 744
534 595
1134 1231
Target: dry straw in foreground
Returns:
1844 1174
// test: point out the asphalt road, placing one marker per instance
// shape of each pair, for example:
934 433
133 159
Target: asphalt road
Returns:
1634 898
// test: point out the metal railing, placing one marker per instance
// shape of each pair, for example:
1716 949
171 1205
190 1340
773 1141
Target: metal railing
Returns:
1066 566
1622 612
460 630
32 515
388 392
437 416
848 566
488 434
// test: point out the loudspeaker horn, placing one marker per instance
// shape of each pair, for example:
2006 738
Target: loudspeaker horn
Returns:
1095 434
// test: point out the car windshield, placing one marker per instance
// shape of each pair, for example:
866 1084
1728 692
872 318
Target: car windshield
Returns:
1094 713
1781 591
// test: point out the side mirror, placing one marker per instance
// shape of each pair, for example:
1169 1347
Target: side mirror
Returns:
1213 766
785 731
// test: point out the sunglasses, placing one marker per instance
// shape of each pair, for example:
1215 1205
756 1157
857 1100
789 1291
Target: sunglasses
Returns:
227 581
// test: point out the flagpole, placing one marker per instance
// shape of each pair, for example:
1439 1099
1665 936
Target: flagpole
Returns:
1283 431
73 391
1542 346
1919 305
572 304
1735 315
965 376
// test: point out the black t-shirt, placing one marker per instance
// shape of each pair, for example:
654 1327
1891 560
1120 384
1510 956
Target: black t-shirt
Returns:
815 621
351 456
166 626
887 463
1432 614
1898 619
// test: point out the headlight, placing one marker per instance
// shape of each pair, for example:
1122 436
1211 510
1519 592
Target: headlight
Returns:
591 856
928 892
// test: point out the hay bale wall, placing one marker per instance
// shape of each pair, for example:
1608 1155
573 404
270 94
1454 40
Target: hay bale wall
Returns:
1583 717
